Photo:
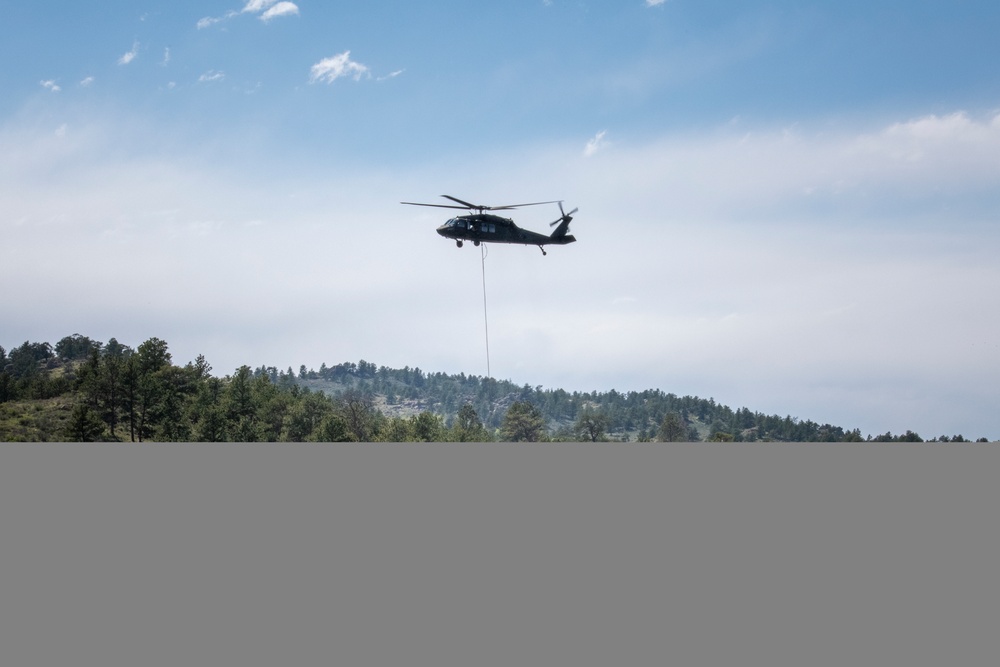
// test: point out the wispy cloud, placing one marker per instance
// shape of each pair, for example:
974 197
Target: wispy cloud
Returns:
330 69
268 9
166 55
390 75
256 6
280 9
86 81
654 3
951 159
130 56
211 75
50 84
212 20
595 144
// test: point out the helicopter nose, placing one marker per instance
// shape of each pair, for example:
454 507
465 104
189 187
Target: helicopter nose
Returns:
441 229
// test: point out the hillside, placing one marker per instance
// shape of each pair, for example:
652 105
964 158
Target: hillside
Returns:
81 389
629 416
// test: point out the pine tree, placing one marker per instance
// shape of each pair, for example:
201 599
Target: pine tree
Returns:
522 423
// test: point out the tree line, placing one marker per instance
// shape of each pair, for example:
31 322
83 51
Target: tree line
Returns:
125 394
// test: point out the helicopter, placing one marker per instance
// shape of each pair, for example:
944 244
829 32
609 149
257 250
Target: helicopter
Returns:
481 227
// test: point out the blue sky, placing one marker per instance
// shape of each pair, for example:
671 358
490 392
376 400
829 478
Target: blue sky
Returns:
790 206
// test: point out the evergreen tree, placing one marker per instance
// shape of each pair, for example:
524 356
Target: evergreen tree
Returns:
522 422
206 413
76 347
468 427
334 429
7 387
240 410
426 427
357 410
395 429
107 384
84 425
591 425
270 407
672 429
306 416
201 367
24 361
177 386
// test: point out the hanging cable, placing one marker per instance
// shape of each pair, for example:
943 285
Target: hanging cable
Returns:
486 321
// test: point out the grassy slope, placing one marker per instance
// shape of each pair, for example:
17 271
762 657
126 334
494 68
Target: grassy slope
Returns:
36 420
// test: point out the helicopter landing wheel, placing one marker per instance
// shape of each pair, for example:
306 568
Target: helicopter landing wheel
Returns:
476 243
458 243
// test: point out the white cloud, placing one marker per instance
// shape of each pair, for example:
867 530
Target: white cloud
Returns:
391 75
280 9
130 56
654 3
50 84
211 75
595 144
894 170
166 55
270 8
87 81
255 6
936 130
212 20
330 69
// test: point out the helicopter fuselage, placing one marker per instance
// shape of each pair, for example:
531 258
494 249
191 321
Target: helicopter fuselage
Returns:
489 228
483 227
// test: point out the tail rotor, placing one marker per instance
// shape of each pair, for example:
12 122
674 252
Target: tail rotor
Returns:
563 222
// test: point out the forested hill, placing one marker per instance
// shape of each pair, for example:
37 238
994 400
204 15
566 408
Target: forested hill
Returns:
82 389
620 416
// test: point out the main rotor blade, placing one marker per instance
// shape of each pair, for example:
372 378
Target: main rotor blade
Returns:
534 203
464 203
477 207
413 203
495 208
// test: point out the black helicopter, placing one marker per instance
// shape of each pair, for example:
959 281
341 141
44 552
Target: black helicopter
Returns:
483 227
